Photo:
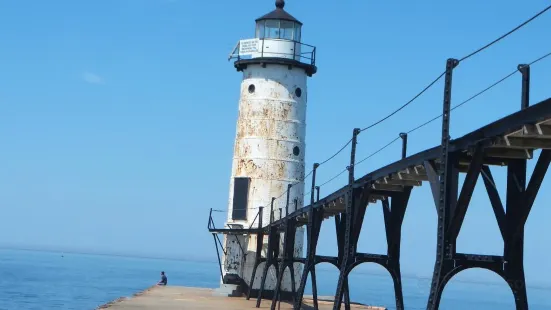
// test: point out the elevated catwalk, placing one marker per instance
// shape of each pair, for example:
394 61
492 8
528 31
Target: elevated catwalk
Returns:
509 143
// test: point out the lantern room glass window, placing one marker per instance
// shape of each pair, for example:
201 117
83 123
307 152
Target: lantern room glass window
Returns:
297 32
272 29
286 29
260 30
278 29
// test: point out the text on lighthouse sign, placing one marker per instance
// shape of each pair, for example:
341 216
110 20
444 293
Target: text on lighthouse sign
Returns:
249 46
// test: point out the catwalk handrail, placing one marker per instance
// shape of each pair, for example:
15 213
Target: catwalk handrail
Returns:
212 227
508 124
486 134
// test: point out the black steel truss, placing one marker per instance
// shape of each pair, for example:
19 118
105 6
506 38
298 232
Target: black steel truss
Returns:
508 142
511 221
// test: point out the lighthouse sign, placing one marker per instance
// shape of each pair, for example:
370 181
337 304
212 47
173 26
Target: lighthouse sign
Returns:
248 47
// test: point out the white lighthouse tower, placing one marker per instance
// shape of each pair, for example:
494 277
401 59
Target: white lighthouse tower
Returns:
270 140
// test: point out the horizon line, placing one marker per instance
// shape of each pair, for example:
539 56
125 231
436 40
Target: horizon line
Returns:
407 275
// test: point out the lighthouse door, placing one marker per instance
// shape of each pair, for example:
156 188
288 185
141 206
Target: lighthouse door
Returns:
240 198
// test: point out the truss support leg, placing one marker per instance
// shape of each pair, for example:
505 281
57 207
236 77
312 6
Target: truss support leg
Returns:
444 197
251 283
287 260
394 217
314 288
275 299
218 256
514 243
342 285
315 218
258 254
293 283
271 256
262 283
357 200
397 279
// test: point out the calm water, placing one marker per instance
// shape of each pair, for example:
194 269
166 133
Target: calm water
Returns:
42 280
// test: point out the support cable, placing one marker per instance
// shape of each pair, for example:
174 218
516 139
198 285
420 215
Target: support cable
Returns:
378 151
337 153
479 93
462 59
366 158
336 176
404 105
505 35
437 117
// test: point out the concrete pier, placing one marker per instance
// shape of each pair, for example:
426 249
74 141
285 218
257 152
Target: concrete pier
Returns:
177 297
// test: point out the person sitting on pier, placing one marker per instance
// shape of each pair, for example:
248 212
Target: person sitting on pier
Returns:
163 279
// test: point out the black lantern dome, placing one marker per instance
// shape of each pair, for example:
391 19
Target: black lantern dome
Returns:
278 24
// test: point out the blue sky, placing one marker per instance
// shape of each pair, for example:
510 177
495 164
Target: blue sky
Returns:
117 118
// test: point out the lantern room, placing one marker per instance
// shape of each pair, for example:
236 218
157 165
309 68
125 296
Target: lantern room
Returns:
279 34
278 24
277 40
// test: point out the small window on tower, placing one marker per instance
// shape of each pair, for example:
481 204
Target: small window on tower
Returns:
298 92
296 151
251 88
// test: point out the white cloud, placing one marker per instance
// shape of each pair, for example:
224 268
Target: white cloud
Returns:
92 78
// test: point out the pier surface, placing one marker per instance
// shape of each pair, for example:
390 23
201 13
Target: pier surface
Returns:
178 297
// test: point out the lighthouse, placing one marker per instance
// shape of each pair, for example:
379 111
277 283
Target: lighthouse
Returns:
269 148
